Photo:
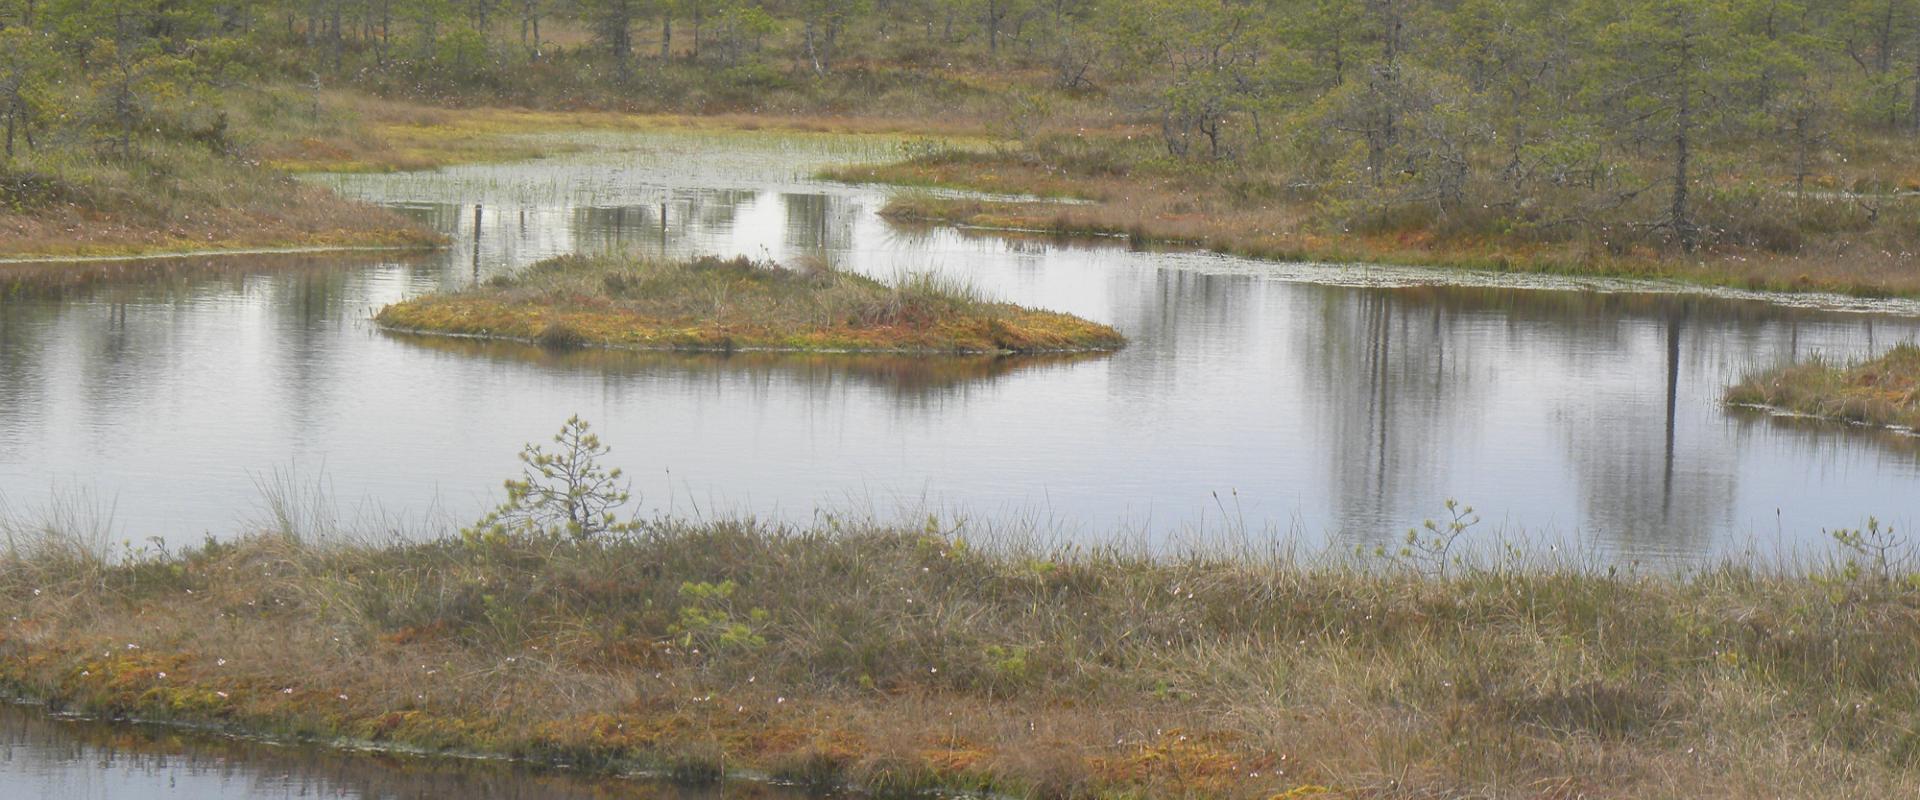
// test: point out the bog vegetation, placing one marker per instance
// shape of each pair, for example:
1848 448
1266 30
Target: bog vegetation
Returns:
1883 391
708 303
901 657
1491 131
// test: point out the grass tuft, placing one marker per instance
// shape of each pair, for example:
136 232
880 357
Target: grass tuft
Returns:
1883 392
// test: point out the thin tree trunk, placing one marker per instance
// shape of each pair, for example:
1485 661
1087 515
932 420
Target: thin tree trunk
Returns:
1682 149
993 28
339 38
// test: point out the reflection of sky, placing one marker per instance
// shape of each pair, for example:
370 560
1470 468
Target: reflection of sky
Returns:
1347 411
69 759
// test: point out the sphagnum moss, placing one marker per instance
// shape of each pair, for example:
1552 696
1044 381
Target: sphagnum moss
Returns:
737 304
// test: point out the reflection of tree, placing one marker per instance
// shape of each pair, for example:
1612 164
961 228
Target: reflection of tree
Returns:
1392 394
906 375
1647 483
1185 311
309 307
23 378
711 210
598 227
120 321
1394 398
818 223
663 227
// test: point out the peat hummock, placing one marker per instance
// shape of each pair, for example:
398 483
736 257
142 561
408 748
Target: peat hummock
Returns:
710 303
1882 392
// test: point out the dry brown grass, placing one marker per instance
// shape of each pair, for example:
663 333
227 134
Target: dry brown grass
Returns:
312 217
177 196
707 303
897 659
1884 391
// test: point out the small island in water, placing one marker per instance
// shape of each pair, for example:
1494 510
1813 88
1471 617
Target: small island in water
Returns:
708 303
1882 392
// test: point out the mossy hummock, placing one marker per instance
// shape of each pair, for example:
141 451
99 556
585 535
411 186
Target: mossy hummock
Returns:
710 303
1883 392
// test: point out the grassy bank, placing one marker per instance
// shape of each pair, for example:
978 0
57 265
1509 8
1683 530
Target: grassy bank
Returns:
708 303
894 659
1884 391
177 198
1765 242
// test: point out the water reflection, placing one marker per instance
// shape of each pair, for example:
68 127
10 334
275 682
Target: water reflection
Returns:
1339 404
908 376
71 759
1397 394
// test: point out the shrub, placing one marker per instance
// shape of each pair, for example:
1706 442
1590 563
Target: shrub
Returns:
566 493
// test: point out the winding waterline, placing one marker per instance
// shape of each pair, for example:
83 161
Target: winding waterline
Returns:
1327 406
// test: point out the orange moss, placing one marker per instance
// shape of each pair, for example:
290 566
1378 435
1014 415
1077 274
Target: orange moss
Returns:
1193 761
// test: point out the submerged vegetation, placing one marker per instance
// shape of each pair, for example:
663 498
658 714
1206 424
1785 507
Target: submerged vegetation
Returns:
707 303
1883 391
899 658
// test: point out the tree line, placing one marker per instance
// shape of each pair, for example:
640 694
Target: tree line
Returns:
1430 102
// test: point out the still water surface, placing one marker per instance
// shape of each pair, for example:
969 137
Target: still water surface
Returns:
53 758
1328 406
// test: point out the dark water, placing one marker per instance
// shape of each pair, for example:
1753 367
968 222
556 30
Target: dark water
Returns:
46 758
1325 405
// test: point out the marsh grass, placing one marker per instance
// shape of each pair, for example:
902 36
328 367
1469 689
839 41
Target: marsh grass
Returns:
176 196
708 303
72 533
900 657
1883 391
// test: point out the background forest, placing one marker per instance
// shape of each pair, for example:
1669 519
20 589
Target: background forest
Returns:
1764 126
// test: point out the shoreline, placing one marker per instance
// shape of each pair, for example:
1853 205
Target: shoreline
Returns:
1150 211
48 709
1461 275
218 253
